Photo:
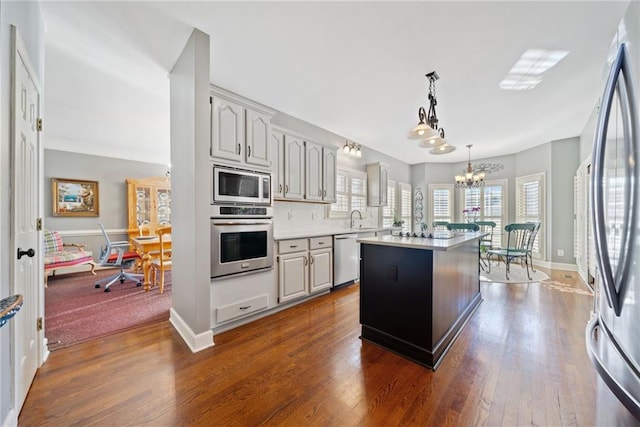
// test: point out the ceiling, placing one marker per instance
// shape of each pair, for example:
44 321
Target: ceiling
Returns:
354 68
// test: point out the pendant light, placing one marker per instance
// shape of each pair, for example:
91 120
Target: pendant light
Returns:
468 179
427 130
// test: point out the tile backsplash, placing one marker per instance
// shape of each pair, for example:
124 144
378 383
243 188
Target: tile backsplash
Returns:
298 216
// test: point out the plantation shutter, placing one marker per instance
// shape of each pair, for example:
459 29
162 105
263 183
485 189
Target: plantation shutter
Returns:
351 193
389 211
441 203
493 209
405 206
530 206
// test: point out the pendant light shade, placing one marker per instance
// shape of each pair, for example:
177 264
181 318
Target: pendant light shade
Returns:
422 129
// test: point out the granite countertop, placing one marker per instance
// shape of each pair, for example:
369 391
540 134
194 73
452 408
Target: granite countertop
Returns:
438 244
300 234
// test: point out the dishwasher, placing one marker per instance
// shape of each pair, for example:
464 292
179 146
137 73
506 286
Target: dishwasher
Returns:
346 258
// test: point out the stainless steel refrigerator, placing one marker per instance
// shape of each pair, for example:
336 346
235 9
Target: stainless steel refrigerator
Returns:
613 333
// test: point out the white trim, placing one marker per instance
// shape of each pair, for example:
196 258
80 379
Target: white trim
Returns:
195 342
96 232
11 419
45 347
555 265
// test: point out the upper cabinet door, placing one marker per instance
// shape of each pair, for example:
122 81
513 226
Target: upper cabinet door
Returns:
227 129
293 167
258 139
313 171
277 162
330 159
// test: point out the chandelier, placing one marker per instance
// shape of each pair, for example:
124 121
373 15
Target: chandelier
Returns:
469 179
427 130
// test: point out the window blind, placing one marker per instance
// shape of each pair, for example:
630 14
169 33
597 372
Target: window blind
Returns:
441 203
351 193
530 206
389 211
405 205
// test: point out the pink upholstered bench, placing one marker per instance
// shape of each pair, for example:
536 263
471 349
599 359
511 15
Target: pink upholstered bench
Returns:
59 255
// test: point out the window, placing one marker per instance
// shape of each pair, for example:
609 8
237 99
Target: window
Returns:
441 203
405 206
351 193
389 211
530 206
491 199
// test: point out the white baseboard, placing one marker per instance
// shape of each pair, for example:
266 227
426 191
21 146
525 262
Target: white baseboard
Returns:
555 265
196 342
11 420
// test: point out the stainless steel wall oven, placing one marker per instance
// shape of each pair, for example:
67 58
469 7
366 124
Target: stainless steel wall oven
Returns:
241 245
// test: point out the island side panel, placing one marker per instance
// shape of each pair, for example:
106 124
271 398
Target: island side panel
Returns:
456 291
396 299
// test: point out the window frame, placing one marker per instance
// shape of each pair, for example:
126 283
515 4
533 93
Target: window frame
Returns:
542 194
498 232
349 173
431 217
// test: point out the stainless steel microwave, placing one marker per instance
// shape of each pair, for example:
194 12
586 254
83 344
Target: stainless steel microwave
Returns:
240 186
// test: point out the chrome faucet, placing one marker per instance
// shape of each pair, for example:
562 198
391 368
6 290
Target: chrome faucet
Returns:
351 216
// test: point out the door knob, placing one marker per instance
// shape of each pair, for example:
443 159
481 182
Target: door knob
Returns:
30 253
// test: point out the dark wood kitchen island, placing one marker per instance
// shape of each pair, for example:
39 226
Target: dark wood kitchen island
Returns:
417 293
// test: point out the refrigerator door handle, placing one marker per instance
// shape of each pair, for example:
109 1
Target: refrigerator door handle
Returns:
615 285
593 329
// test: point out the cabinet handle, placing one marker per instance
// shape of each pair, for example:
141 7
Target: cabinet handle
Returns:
311 259
321 243
246 307
293 246
249 151
286 188
306 261
238 148
280 188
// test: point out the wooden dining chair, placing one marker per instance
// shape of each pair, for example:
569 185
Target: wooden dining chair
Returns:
161 263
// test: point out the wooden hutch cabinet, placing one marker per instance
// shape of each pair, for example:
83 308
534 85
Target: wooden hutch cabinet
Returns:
149 204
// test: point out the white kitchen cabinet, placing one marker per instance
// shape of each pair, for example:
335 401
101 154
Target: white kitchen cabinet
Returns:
240 130
377 184
321 172
313 171
330 171
277 163
305 266
227 129
293 275
258 126
302 169
293 167
321 271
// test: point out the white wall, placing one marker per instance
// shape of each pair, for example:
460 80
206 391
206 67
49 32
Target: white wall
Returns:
27 17
190 193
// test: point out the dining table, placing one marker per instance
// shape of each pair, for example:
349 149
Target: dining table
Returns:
148 247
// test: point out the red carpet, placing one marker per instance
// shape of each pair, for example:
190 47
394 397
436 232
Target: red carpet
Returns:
75 311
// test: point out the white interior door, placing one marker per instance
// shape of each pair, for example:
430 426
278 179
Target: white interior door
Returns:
25 146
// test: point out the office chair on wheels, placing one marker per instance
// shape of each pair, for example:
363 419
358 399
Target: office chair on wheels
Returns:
116 254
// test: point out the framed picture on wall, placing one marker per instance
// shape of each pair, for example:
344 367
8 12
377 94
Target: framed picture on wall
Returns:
74 197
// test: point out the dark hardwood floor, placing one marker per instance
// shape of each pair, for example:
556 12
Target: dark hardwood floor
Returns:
521 359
